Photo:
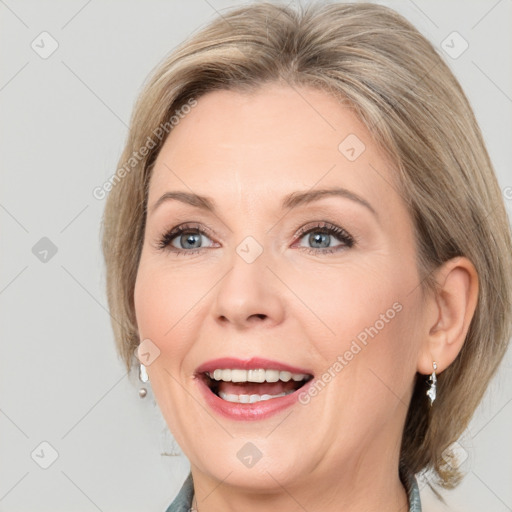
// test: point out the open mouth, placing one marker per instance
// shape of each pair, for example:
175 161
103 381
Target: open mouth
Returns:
253 385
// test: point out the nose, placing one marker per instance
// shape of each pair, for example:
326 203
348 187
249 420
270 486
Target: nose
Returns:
249 295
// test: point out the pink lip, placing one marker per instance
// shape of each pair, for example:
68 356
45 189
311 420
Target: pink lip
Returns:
248 412
249 364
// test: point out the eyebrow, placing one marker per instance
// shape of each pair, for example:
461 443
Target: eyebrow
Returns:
290 201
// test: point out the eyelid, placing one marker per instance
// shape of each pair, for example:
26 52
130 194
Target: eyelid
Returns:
327 226
164 240
322 224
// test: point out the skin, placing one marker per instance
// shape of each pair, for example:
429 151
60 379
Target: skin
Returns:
247 152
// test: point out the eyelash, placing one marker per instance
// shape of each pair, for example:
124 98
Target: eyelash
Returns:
321 227
169 236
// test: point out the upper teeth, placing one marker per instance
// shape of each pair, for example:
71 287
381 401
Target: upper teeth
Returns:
259 375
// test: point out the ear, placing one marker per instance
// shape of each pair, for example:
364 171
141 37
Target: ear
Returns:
448 314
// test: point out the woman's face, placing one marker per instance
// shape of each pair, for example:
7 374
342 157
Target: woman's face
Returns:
275 275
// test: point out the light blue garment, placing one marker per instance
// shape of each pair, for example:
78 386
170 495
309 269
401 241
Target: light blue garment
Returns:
183 501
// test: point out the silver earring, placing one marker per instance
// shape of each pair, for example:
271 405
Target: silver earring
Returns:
431 391
143 377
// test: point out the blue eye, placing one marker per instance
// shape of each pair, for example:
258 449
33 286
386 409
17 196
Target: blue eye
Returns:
187 236
187 239
320 238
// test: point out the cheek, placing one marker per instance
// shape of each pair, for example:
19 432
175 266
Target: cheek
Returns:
165 295
344 300
164 300
151 304
362 324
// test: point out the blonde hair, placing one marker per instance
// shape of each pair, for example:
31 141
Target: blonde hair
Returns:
413 106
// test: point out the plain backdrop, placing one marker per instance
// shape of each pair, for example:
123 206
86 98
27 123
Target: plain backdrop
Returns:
74 434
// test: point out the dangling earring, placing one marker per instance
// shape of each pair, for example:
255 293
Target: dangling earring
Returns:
431 391
143 377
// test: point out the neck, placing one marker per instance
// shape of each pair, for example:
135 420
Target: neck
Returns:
356 492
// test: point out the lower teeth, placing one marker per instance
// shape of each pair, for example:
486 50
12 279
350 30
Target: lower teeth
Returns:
250 399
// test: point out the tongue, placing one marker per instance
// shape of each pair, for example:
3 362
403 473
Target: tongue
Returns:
255 388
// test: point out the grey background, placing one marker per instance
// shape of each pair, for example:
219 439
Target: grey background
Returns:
63 123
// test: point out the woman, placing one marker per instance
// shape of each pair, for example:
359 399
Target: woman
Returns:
310 257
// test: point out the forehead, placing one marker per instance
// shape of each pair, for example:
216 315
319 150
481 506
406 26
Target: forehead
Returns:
267 143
